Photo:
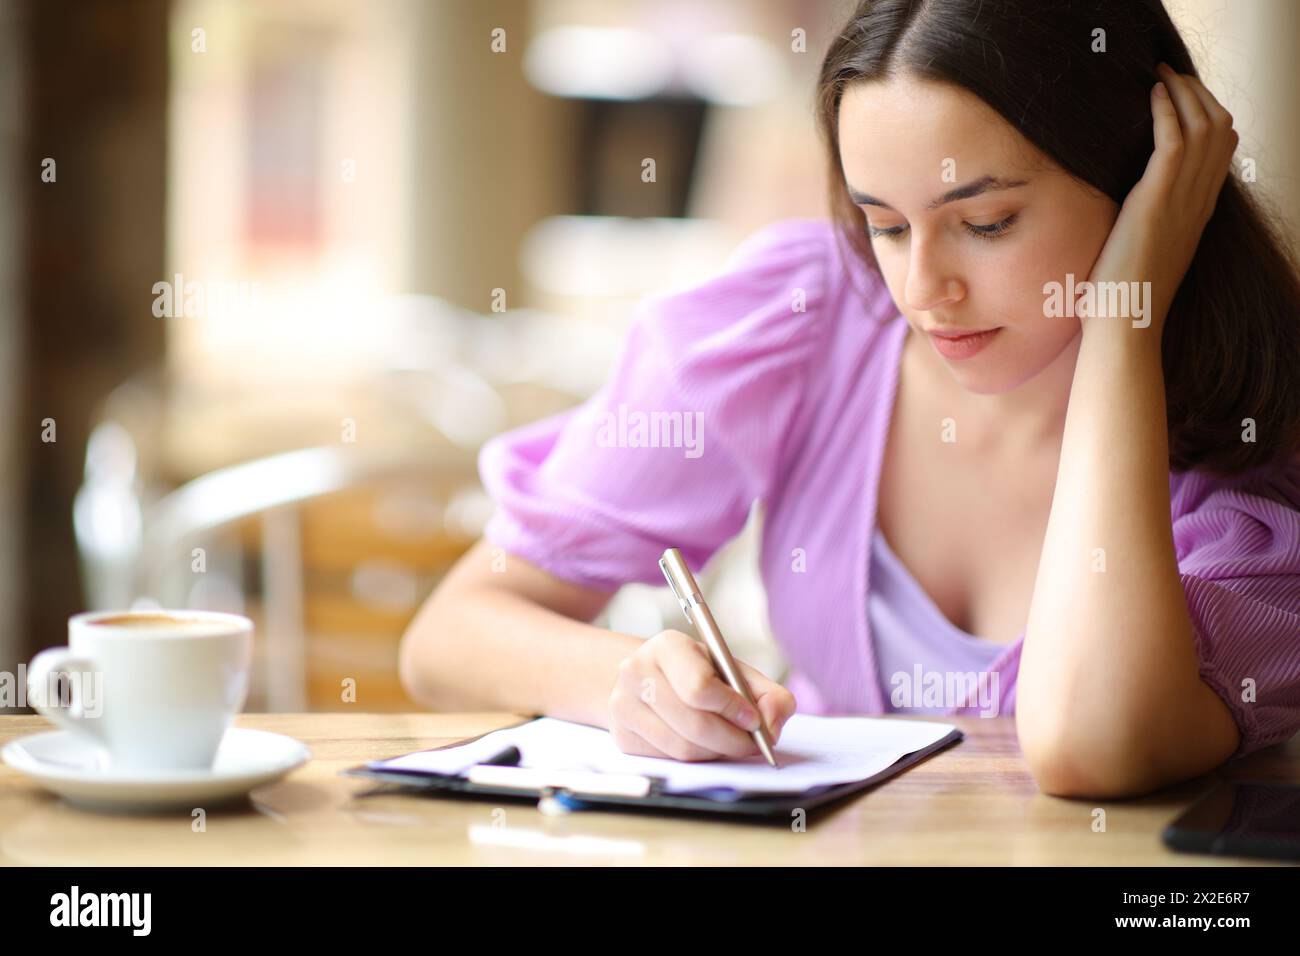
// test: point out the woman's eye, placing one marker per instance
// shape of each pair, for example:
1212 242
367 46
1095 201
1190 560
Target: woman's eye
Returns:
990 231
893 232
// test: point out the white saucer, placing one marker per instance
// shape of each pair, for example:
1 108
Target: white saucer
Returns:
72 767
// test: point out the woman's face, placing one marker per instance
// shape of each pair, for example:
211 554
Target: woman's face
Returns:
980 259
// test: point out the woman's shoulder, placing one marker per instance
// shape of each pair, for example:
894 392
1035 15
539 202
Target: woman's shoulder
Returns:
786 241
783 262
1238 523
812 251
1237 540
783 292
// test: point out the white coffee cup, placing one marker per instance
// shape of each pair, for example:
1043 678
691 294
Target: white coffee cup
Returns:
155 690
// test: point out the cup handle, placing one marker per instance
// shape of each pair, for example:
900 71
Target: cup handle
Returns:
73 717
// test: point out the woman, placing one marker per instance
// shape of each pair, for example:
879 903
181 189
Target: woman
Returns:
1027 409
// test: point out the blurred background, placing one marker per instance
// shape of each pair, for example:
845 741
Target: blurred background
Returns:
271 273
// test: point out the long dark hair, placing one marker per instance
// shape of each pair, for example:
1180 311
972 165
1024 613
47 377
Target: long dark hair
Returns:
1231 347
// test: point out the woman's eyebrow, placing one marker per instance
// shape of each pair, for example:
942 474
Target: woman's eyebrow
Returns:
985 184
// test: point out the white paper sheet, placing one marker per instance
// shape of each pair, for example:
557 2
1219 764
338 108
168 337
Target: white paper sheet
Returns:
812 751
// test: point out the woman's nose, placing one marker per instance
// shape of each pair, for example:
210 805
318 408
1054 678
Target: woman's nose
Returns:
930 283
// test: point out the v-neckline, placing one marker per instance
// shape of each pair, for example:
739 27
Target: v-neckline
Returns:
920 595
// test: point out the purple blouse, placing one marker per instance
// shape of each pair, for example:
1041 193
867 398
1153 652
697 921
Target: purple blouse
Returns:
775 380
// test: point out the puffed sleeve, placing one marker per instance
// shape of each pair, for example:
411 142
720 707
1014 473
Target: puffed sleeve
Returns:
1238 549
684 436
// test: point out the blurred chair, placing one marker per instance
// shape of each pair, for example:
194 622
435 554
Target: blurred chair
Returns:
136 554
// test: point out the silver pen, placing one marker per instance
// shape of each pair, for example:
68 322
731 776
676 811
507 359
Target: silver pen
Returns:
700 617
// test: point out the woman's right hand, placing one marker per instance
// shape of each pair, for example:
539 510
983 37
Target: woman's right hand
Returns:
668 701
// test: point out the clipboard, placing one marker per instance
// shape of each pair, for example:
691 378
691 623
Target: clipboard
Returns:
574 795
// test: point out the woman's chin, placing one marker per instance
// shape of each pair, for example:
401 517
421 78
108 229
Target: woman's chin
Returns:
989 374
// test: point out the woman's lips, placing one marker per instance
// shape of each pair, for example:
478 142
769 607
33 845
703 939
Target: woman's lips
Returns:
962 346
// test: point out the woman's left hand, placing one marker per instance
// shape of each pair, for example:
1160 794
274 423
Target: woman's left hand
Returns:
1162 218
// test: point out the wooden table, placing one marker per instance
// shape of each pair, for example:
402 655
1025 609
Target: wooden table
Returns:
974 803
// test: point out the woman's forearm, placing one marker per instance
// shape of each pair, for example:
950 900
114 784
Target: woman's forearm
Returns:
488 648
1109 670
1109 696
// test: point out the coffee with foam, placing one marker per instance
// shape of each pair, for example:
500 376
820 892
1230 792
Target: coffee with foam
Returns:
155 622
